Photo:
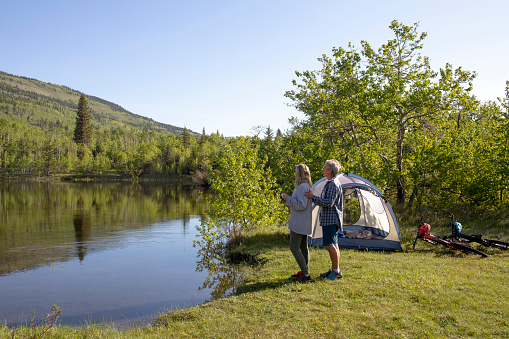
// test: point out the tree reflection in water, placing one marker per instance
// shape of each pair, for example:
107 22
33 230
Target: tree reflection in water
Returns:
46 223
223 275
82 222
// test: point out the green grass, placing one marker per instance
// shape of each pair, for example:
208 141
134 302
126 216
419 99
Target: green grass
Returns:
429 292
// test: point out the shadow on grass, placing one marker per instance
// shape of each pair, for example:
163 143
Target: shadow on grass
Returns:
273 284
258 244
440 251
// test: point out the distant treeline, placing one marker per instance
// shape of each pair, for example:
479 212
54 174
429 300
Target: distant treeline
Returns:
35 151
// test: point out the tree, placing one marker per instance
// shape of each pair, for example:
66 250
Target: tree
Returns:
185 138
373 102
269 134
244 196
202 137
83 130
502 158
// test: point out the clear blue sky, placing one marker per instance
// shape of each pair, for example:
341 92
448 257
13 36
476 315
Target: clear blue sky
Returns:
225 65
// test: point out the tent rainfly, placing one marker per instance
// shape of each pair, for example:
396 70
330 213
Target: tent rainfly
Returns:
368 219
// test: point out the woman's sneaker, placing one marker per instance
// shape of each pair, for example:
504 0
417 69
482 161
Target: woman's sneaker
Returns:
333 275
296 275
303 278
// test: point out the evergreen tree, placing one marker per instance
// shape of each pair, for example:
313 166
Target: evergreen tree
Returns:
202 138
269 133
185 138
83 130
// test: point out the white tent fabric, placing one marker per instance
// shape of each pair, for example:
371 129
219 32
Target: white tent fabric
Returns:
376 226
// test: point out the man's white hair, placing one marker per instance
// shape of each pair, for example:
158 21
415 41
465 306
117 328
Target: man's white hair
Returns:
334 165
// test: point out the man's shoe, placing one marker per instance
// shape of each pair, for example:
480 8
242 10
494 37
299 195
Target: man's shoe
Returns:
333 275
303 278
325 274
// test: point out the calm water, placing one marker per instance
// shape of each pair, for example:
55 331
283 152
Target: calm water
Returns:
112 252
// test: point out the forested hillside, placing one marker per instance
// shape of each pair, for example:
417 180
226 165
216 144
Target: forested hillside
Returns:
36 103
38 121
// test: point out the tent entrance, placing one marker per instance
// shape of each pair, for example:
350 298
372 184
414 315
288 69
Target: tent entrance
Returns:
363 211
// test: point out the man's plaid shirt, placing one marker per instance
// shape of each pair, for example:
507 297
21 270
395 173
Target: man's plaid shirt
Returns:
331 201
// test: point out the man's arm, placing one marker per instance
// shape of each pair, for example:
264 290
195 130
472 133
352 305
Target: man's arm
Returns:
331 193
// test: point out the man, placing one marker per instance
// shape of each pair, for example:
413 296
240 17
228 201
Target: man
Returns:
331 215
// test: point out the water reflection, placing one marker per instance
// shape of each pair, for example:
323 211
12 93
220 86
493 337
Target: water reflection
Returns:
42 223
82 222
101 251
223 276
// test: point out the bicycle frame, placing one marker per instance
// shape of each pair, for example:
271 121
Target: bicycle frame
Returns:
423 234
457 235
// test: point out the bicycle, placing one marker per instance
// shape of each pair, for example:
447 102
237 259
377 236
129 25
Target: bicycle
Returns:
456 235
423 234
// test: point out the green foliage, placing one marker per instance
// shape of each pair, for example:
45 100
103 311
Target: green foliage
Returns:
26 150
244 194
185 138
417 133
36 124
501 137
30 151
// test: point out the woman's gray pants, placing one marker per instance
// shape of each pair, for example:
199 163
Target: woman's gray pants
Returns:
299 248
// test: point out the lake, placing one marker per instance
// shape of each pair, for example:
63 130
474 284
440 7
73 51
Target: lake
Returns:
120 253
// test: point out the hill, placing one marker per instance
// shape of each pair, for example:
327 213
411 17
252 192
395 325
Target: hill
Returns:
46 105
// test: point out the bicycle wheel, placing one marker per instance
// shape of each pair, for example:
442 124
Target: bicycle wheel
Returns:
466 249
503 245
463 238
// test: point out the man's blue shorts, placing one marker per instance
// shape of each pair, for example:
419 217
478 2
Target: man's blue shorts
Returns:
330 234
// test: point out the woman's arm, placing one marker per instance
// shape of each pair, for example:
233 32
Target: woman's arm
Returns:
298 201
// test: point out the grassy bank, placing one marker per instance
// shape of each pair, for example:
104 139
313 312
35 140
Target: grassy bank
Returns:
428 292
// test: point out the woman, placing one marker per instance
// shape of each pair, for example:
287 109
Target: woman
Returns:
300 221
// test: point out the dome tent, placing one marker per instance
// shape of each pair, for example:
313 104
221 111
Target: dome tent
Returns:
368 219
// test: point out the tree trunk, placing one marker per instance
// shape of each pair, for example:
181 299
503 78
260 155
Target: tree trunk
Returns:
400 181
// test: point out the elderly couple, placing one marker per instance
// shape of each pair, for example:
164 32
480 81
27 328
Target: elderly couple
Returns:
331 218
